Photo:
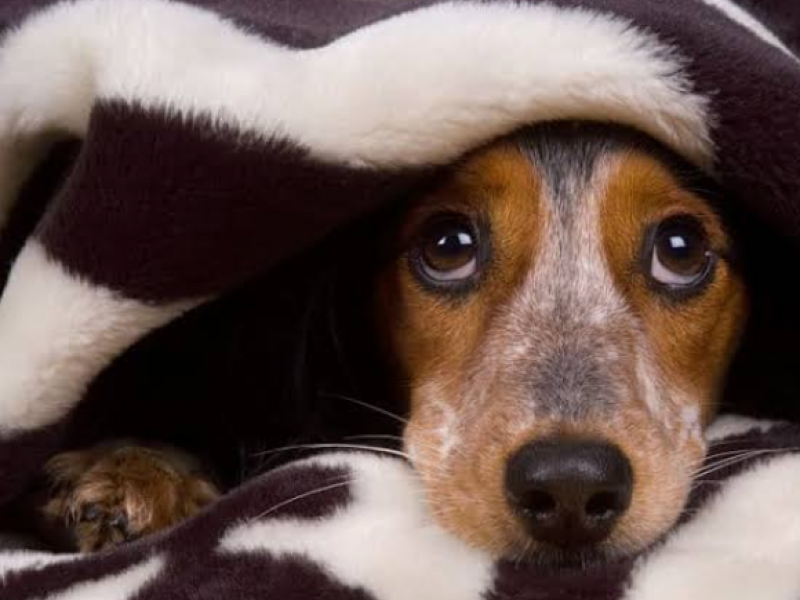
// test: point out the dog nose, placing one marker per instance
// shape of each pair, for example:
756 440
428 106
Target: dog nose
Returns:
570 493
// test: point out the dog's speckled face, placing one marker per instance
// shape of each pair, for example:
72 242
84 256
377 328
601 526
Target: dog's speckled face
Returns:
563 312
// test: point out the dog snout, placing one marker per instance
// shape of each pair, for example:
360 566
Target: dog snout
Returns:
569 493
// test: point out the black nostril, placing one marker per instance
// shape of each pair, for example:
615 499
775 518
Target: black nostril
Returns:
569 492
605 505
540 504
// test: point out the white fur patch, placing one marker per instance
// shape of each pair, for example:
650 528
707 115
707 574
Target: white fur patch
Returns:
446 436
384 541
648 379
419 88
691 428
57 332
745 545
448 430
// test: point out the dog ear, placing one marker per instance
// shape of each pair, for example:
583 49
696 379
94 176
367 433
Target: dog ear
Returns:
762 381
62 473
65 469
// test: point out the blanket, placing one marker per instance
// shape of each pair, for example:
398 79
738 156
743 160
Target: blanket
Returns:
351 526
168 170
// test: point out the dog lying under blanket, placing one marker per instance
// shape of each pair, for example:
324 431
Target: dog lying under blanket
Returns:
562 309
564 306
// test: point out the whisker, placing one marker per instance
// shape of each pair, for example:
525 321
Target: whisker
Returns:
377 449
376 436
703 483
732 458
523 553
737 452
304 495
712 458
752 438
749 452
713 467
719 466
697 480
367 405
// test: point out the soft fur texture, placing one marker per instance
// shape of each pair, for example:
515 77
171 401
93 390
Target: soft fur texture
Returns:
77 54
157 157
353 526
44 307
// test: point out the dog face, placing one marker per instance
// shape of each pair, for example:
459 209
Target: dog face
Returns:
562 311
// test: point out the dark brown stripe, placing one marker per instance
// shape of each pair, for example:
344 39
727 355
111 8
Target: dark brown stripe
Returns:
163 210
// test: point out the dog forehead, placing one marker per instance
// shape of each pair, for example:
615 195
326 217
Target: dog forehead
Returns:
565 328
569 274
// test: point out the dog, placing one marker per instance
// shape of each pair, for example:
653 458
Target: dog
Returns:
560 310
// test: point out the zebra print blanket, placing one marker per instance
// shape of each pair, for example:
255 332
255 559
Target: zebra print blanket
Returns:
217 139
352 526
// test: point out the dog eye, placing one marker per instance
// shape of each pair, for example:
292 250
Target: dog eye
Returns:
91 512
447 250
681 256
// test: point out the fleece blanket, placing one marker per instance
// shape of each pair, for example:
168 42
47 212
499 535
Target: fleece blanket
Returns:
352 526
162 162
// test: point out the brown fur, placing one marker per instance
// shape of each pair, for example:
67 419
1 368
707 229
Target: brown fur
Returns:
113 493
694 344
457 357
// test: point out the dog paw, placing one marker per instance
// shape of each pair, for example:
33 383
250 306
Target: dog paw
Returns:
114 493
